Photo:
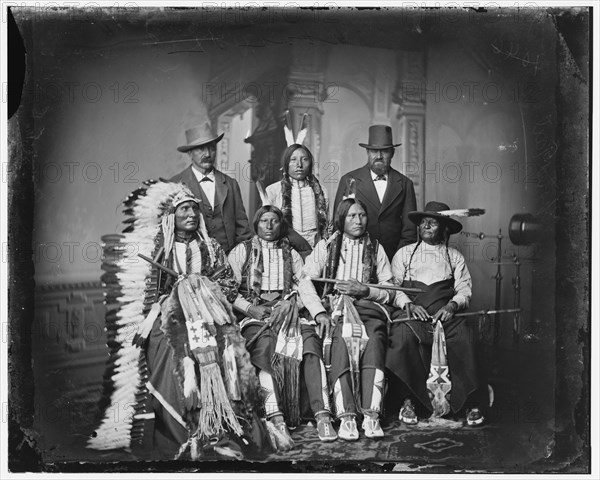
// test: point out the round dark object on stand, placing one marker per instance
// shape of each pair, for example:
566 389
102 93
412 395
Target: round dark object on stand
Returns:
523 229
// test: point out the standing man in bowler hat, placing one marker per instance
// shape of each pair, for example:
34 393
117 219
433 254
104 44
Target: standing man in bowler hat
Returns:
388 194
221 200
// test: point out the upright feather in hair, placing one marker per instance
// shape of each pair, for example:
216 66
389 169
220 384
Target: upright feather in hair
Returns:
350 188
303 130
263 195
287 129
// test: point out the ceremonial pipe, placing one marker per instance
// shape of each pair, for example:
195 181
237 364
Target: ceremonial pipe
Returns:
488 312
156 264
215 274
470 314
384 287
250 342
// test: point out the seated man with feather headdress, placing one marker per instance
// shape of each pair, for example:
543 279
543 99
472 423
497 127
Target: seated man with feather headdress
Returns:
186 370
284 347
350 259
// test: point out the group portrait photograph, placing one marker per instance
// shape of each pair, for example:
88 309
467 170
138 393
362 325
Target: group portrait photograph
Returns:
299 238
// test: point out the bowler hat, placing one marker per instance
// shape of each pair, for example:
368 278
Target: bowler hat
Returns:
380 138
436 210
199 135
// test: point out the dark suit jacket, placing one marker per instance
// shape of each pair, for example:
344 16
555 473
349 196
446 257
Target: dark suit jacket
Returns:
388 221
227 192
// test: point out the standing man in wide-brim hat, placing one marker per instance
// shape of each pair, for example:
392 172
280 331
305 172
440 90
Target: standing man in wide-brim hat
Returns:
221 200
388 194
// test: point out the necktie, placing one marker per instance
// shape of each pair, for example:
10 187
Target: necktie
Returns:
206 179
380 177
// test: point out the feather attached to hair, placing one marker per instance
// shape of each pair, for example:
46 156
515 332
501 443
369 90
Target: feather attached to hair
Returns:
262 193
303 130
350 188
287 129
464 212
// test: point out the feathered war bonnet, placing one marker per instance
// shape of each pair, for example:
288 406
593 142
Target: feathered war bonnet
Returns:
149 217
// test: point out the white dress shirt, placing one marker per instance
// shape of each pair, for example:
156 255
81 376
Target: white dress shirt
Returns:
380 185
208 187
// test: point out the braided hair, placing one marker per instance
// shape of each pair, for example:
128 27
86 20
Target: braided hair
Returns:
443 237
286 189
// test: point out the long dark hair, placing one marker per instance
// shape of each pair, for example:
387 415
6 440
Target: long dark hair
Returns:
286 189
283 231
342 211
287 155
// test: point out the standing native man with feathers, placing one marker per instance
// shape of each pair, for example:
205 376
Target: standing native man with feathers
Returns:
299 195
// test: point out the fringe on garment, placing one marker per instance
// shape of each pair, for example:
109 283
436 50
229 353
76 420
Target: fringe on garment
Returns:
245 370
215 411
286 371
285 363
355 337
197 419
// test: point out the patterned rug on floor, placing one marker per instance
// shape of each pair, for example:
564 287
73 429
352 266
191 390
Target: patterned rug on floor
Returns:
448 446
435 442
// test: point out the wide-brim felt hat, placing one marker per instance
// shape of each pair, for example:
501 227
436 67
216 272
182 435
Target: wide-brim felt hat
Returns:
436 210
199 135
380 138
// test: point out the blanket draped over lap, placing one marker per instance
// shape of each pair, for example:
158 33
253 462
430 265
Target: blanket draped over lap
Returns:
409 356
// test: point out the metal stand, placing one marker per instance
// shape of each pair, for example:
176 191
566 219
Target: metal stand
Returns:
516 282
498 277
524 229
495 327
516 316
